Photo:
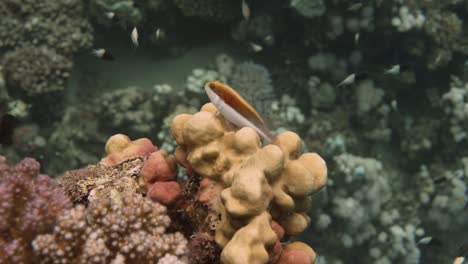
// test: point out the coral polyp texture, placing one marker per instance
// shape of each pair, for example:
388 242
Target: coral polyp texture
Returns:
36 70
29 205
131 232
254 194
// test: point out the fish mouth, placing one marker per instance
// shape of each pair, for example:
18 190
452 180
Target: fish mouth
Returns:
208 90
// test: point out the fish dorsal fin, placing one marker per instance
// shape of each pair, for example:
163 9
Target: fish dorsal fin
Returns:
236 101
236 109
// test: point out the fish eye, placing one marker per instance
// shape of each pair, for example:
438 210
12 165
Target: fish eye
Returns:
212 85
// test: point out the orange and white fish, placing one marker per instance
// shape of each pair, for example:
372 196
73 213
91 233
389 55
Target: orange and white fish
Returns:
236 109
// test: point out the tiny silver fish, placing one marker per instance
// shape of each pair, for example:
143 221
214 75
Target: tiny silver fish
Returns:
357 36
159 33
395 69
102 54
348 80
425 240
459 260
134 36
255 47
245 10
110 15
355 6
394 105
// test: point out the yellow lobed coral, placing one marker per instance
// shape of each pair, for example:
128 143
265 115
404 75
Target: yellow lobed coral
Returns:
250 184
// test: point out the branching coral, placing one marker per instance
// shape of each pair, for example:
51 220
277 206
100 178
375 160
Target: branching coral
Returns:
455 108
130 107
356 207
119 224
79 143
133 231
29 206
370 220
309 8
36 70
210 10
126 10
260 29
443 191
57 24
253 81
444 29
134 111
247 185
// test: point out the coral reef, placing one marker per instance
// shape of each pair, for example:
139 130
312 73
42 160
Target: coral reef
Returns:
36 70
444 193
309 8
159 173
395 139
30 203
196 81
253 81
455 108
248 187
130 107
60 25
106 11
372 221
210 10
260 29
132 231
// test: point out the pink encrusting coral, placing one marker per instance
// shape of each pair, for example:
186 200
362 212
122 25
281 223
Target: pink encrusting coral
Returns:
156 175
29 205
159 172
120 148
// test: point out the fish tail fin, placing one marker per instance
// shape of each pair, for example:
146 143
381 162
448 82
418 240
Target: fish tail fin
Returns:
267 134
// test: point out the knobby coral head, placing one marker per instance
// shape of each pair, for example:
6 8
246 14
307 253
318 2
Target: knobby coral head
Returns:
253 187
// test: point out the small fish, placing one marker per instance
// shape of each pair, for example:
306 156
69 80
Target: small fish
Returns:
236 109
103 54
245 10
134 36
352 78
459 260
429 241
394 104
395 69
110 15
348 80
268 38
255 47
357 37
355 6
425 240
159 33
